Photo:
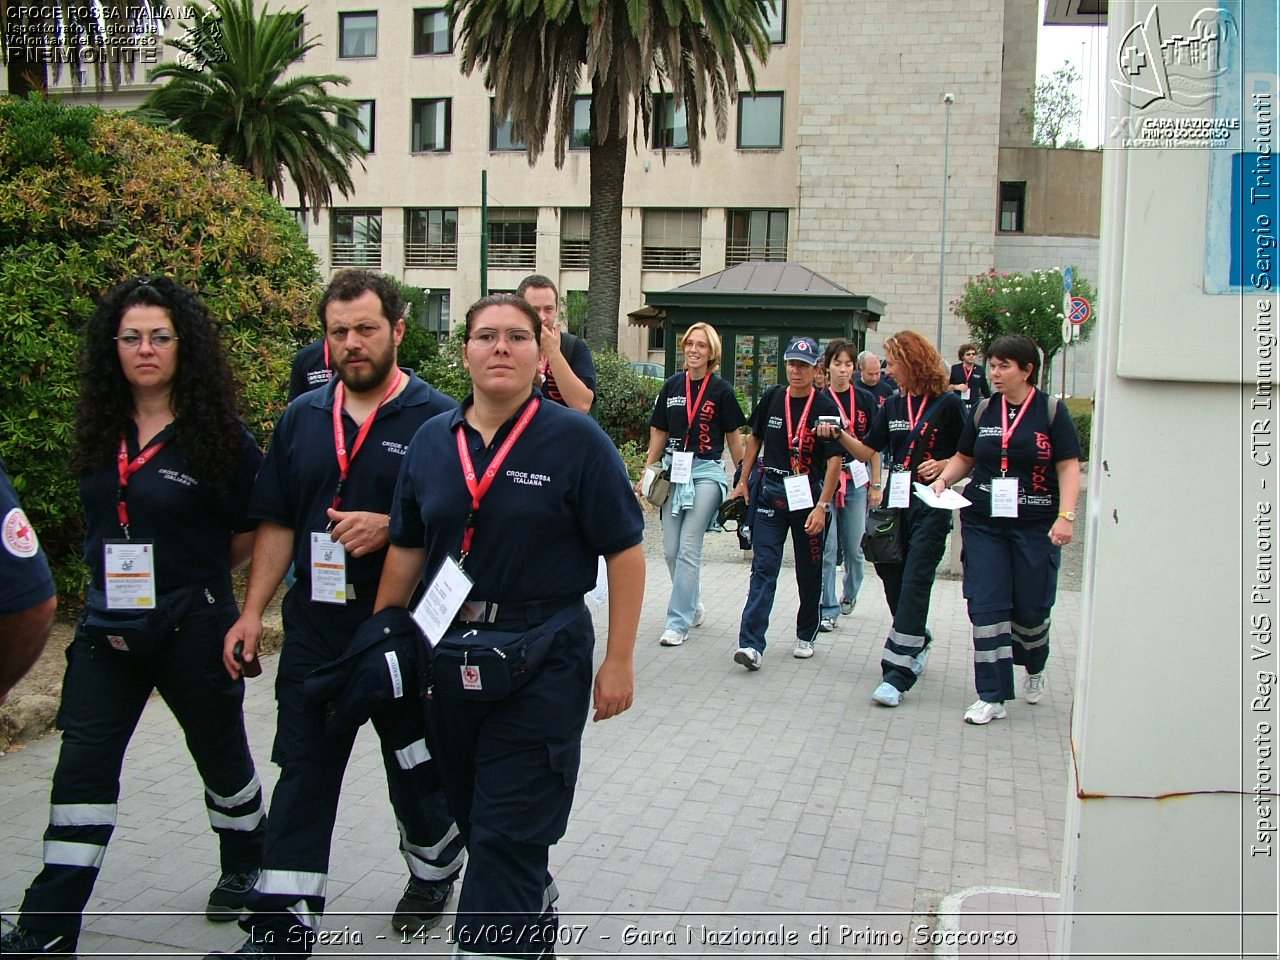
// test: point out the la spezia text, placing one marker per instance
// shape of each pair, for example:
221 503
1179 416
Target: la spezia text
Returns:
841 934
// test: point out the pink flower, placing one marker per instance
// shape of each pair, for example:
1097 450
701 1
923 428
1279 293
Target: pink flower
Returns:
1004 276
991 289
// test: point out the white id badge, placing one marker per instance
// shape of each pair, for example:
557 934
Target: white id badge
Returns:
681 467
799 493
328 570
858 474
900 489
442 600
964 394
130 568
1004 496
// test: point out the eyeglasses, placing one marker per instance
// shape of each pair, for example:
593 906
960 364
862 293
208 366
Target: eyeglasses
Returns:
518 337
161 340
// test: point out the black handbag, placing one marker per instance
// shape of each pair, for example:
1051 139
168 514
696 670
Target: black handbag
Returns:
885 540
477 665
136 632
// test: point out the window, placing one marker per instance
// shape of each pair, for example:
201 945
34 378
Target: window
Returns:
672 240
760 121
1013 206
658 336
431 238
302 218
431 33
775 22
298 22
364 113
358 34
580 138
356 238
755 235
437 318
430 126
575 239
500 136
670 131
513 238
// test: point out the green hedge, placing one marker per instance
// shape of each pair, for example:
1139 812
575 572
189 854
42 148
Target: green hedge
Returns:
88 199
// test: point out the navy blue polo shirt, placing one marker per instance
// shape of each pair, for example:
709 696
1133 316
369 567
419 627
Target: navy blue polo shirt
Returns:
943 421
864 406
719 414
1035 449
580 363
560 500
298 479
976 379
24 573
189 523
768 422
882 391
309 370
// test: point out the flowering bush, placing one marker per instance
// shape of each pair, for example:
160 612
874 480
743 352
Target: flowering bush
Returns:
995 304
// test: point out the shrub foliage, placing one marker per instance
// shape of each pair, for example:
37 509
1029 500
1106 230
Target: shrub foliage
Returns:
88 199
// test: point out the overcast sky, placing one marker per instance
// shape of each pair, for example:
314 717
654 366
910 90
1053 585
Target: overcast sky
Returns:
1086 49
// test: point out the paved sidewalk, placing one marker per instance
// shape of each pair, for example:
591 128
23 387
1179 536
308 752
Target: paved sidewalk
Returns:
770 814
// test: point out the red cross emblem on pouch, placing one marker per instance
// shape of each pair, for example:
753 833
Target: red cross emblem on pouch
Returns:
470 677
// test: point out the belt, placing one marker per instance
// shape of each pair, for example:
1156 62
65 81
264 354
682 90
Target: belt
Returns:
491 612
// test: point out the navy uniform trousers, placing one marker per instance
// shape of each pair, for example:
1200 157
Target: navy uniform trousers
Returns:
1010 582
768 535
510 767
103 694
287 902
907 588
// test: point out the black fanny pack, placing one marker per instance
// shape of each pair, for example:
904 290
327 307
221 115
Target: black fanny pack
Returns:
472 664
136 632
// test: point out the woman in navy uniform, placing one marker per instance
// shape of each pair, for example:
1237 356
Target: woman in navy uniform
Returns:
507 479
696 414
166 469
1024 453
919 428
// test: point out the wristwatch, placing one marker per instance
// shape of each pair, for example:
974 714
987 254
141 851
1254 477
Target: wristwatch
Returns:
1068 515
877 486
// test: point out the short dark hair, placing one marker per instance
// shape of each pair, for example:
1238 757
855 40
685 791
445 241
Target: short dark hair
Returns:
350 284
1022 350
536 280
838 346
502 300
965 348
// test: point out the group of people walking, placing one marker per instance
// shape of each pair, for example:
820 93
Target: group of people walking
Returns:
408 527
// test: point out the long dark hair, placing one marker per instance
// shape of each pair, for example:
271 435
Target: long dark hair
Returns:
204 397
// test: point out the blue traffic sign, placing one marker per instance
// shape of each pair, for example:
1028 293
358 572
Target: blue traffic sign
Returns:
1068 279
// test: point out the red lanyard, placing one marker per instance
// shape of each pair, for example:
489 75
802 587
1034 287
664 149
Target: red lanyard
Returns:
1006 428
326 352
846 417
968 376
795 436
126 469
340 438
913 420
481 487
692 410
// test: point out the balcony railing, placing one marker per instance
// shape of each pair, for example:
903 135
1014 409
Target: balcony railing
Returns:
514 256
575 254
355 254
671 258
736 253
430 254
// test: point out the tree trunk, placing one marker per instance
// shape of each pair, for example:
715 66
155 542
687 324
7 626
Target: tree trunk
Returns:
27 74
608 170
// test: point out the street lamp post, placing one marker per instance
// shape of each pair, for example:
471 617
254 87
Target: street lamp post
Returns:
947 99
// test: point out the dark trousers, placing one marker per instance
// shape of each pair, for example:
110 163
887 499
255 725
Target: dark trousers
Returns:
509 768
907 587
1010 582
768 535
288 900
103 695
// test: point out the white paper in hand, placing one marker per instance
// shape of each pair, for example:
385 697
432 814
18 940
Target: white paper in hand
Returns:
947 500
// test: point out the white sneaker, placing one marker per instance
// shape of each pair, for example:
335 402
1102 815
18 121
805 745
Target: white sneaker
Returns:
803 649
749 657
1033 687
670 638
983 712
826 624
887 695
699 616
921 661
846 607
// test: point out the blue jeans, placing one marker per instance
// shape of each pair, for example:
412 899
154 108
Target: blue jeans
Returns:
682 537
773 521
850 523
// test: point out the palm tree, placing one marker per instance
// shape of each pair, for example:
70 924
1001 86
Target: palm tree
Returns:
534 51
227 90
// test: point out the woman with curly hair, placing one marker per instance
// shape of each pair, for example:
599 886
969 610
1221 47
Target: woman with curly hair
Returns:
166 468
918 429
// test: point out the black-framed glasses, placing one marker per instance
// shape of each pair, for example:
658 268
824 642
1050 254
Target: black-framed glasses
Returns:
160 340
